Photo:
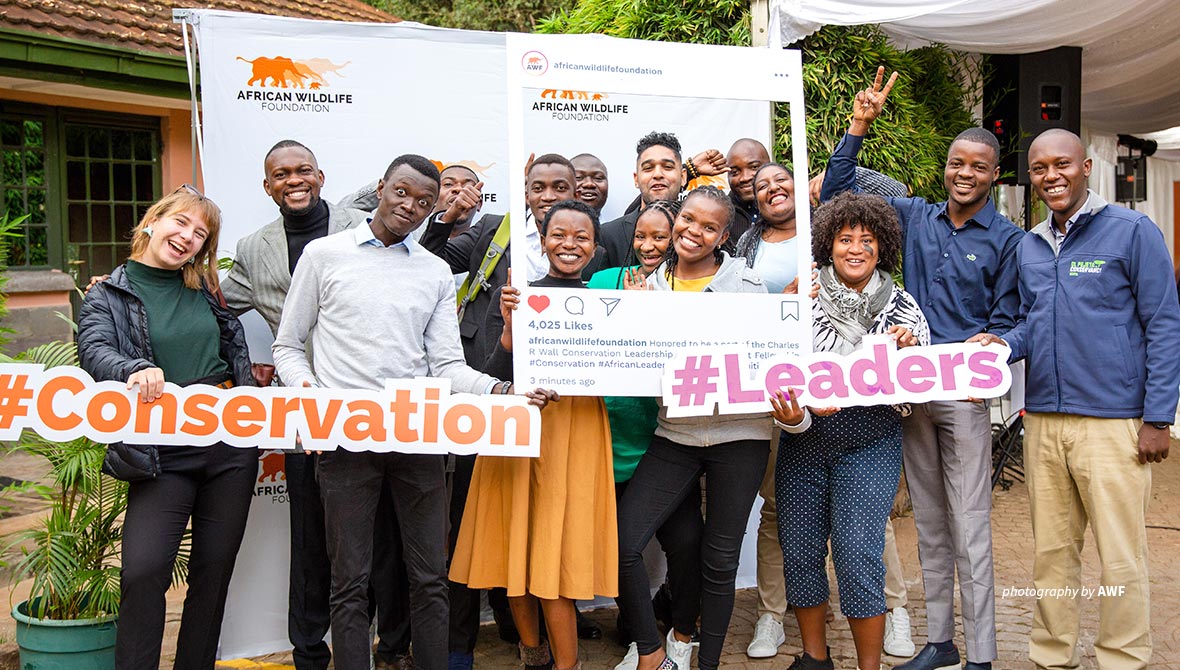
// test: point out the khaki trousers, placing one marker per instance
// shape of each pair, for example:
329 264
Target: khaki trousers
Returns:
1085 470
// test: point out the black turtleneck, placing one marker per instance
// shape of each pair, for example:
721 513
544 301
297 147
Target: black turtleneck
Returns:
747 215
303 228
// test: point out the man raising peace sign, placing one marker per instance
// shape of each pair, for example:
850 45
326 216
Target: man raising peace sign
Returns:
959 263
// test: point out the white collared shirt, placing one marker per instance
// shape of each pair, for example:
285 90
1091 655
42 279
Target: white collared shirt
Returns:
538 263
365 238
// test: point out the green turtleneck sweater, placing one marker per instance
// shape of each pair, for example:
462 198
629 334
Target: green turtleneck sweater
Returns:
186 340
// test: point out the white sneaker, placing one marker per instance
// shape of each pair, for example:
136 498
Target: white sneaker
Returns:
897 633
679 652
768 635
630 659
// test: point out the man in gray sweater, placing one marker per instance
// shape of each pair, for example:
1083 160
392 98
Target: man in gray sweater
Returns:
373 305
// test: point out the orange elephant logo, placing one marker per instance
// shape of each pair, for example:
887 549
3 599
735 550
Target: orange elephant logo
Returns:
720 181
284 72
481 170
556 94
272 467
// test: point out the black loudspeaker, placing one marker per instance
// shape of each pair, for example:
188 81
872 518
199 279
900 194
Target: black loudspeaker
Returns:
1130 182
1028 94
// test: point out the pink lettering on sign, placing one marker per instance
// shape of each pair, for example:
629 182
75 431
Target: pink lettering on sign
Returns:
876 374
878 367
915 374
733 379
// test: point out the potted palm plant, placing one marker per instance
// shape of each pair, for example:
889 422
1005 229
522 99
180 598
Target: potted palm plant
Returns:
68 621
71 557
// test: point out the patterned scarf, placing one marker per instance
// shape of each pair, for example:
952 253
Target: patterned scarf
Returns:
850 312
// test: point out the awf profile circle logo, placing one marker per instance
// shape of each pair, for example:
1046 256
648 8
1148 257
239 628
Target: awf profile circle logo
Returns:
535 63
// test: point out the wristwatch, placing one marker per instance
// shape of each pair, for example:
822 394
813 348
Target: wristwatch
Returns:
1160 425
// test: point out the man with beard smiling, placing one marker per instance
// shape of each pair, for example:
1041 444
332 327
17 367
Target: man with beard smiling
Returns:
259 280
959 263
1100 332
659 175
744 158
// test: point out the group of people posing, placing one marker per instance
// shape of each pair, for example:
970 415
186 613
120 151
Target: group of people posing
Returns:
401 280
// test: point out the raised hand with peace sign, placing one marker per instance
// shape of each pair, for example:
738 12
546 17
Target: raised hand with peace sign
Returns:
869 103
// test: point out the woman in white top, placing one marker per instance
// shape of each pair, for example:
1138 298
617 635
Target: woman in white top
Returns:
769 246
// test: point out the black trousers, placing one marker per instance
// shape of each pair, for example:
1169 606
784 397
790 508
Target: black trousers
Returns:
464 602
350 485
212 486
308 614
666 474
680 539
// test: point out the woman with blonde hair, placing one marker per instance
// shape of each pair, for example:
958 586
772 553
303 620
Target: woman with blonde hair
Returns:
160 317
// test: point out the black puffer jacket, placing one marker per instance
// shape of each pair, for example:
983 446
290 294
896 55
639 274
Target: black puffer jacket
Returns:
113 343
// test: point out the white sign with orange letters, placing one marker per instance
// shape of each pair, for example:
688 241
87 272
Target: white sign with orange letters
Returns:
418 416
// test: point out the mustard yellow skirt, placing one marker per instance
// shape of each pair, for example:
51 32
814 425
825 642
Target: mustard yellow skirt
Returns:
545 526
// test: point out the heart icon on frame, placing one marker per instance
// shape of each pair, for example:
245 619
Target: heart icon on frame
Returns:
539 303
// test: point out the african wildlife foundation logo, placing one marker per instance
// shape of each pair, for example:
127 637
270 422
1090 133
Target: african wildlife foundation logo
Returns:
578 106
534 63
272 477
283 84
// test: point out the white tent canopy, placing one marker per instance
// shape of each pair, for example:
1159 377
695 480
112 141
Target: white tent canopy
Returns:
1130 48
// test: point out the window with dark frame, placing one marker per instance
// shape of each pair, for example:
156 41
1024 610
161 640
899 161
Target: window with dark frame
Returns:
22 144
84 179
110 181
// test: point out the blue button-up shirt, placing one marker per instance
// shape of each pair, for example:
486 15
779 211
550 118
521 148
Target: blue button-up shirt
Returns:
964 279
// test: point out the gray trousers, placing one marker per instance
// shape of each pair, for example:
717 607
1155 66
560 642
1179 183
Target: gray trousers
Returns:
948 462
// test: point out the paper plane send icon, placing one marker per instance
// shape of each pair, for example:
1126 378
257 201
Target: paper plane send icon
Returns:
611 304
790 310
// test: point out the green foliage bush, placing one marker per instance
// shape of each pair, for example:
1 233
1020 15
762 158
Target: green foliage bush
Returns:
695 21
929 105
497 15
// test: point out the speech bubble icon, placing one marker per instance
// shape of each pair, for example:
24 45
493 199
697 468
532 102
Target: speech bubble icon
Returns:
575 306
789 310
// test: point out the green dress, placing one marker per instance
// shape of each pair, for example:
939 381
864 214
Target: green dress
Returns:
632 420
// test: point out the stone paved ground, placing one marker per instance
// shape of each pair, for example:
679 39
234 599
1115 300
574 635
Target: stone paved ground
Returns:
1013 548
1012 533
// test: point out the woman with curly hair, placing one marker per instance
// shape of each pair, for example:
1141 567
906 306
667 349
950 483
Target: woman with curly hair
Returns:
837 470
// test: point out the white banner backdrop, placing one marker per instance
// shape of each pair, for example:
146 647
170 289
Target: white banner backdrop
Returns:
358 95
